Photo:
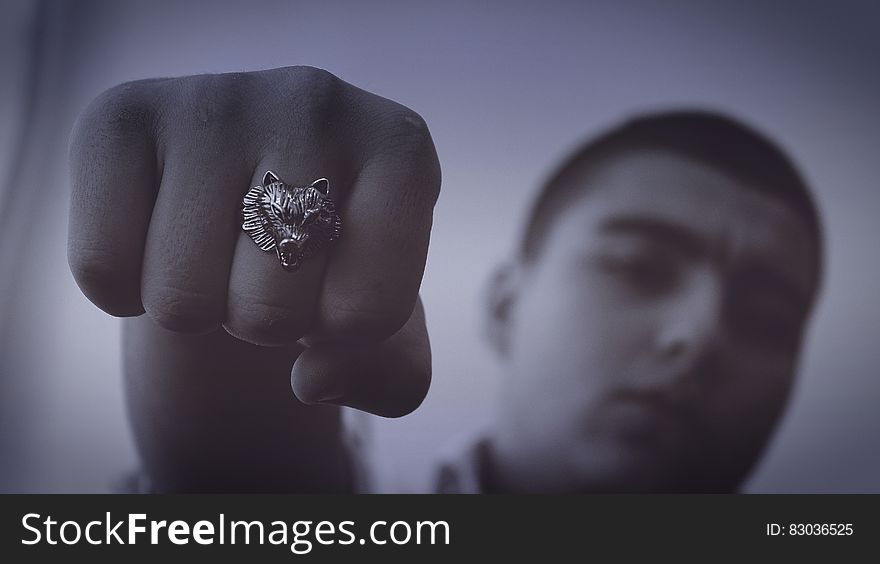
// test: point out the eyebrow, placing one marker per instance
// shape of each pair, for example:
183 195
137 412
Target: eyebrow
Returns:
759 273
682 238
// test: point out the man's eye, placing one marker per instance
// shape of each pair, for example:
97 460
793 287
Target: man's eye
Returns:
764 313
765 325
648 273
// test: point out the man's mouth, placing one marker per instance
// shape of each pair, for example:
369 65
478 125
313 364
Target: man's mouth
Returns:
650 414
289 252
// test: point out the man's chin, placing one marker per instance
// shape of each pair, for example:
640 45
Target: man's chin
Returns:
625 467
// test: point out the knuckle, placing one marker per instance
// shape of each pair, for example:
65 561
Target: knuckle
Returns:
182 311
407 131
217 99
206 107
105 280
412 125
116 114
265 324
290 105
125 105
406 142
357 322
314 80
315 93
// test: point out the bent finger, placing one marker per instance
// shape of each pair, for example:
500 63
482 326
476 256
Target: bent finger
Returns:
114 183
375 270
390 379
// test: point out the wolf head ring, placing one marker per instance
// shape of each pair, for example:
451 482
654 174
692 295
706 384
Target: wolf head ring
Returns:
294 221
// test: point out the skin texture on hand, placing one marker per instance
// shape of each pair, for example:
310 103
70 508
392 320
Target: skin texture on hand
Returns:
212 413
159 168
158 172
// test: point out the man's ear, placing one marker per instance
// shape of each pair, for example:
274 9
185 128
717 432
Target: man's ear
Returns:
501 296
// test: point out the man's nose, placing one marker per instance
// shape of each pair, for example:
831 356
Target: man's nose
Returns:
693 325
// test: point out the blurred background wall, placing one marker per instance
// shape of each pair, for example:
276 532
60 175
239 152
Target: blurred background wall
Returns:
507 89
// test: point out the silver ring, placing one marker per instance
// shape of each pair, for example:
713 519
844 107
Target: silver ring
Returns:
295 221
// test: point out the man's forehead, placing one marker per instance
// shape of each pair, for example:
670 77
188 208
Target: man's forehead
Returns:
720 212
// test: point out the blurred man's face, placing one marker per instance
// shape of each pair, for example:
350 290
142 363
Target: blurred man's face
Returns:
651 345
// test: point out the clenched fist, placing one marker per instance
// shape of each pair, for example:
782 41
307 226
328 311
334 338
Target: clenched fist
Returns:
159 171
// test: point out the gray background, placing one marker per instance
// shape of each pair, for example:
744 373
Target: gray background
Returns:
506 88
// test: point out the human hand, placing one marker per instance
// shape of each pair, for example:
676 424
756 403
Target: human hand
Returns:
159 169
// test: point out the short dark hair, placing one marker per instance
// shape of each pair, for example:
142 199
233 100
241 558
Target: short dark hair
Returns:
714 139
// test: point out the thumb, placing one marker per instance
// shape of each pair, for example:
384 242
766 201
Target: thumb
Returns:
390 378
